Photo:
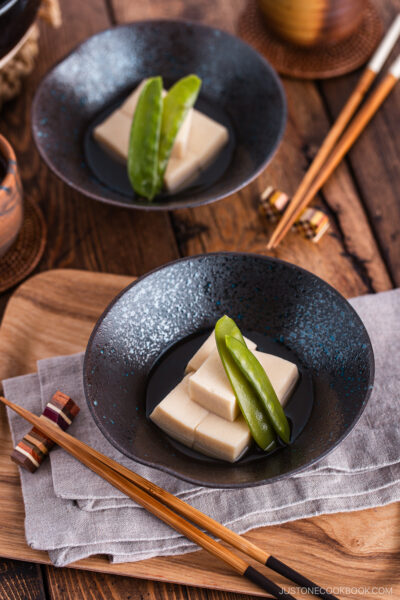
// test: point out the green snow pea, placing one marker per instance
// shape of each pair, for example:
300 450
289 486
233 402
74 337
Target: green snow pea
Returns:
177 103
249 403
259 380
145 139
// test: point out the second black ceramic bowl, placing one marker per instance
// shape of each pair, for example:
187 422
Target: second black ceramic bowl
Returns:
274 300
238 85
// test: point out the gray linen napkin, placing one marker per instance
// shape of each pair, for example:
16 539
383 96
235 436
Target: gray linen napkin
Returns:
364 471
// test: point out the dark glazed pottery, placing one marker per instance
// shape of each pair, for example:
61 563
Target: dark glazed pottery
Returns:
103 70
16 16
295 308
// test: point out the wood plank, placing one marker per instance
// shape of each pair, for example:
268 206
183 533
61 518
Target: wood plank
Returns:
348 258
61 307
21 581
82 585
374 158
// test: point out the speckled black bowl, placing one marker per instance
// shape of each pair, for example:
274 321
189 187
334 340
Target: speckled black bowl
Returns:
237 81
303 313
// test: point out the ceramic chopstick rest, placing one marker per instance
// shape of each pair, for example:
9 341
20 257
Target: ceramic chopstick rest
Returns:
273 203
312 223
30 452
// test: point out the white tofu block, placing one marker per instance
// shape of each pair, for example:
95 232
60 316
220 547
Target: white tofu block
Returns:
181 142
209 386
282 373
178 415
207 137
180 172
221 439
205 350
114 133
129 105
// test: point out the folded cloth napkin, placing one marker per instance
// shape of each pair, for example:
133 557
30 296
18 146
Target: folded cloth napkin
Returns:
72 513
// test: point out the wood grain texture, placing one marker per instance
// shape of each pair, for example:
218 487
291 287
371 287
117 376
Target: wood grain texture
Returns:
21 580
54 313
70 585
374 159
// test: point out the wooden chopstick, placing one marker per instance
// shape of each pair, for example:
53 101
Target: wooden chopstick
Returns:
131 483
210 524
79 450
373 68
354 130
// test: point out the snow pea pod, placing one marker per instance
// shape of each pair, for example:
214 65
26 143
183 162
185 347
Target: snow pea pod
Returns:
259 380
177 103
249 403
145 139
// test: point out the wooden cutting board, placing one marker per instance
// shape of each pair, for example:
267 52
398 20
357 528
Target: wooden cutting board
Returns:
52 314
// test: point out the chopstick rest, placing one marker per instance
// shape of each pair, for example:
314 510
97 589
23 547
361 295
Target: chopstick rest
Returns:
30 452
273 203
312 224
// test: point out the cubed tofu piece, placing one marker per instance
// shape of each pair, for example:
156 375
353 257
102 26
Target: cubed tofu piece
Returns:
207 138
178 415
205 350
282 373
181 143
129 105
209 386
180 172
114 133
222 439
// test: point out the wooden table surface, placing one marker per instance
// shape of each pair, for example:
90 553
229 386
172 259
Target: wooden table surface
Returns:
360 255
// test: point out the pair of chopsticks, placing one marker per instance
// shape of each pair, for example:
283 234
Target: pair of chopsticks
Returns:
329 155
174 512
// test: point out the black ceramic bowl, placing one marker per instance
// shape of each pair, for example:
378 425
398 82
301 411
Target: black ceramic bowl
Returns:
16 16
271 300
239 88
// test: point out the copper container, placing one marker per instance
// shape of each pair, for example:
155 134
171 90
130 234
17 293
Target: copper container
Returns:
11 208
313 22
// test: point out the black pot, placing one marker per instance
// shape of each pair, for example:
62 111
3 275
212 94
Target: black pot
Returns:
16 16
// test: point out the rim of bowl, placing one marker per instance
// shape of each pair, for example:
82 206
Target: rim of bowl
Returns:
193 480
176 205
